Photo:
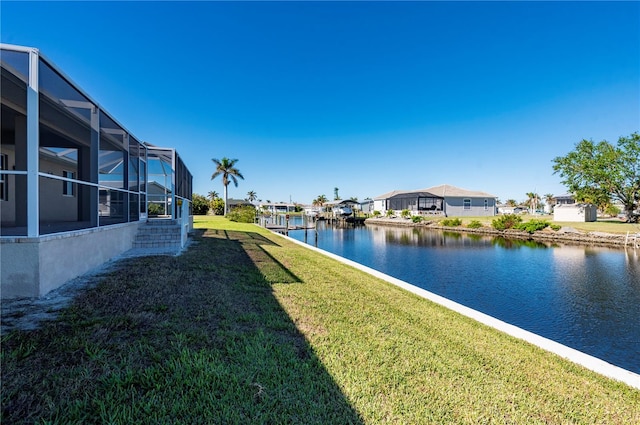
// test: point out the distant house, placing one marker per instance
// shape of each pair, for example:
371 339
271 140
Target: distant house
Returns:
575 212
233 203
565 199
509 209
341 206
441 200
277 207
367 206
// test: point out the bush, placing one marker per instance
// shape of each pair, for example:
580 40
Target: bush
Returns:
475 224
451 222
612 210
390 213
506 221
532 225
217 206
244 214
200 204
416 219
405 214
155 209
376 213
555 227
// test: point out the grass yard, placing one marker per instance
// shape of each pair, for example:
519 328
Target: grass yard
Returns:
247 327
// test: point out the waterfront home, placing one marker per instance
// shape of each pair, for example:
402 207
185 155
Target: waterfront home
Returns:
277 207
341 207
74 183
563 199
367 206
234 203
444 200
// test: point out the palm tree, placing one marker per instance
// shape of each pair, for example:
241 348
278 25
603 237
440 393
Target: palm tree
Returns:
252 196
320 201
213 195
532 201
226 168
549 199
336 197
511 202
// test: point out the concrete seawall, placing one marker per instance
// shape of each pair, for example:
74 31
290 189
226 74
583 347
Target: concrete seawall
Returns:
564 235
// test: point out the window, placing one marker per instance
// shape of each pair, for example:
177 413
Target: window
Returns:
486 204
466 204
68 188
4 165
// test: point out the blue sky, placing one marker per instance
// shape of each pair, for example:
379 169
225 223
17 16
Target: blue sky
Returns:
368 97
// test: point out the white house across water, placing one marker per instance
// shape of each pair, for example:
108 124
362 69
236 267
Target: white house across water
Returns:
444 200
74 182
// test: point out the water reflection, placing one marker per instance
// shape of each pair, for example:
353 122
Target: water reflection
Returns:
584 297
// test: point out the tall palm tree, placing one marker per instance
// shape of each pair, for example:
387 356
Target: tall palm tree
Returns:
226 168
213 195
320 200
336 197
532 201
549 199
252 195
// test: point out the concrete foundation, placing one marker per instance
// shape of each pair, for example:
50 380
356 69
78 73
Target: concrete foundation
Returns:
32 267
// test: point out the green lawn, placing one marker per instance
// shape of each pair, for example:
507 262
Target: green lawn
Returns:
247 327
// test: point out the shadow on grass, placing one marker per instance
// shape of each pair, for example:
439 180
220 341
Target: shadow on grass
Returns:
252 243
198 338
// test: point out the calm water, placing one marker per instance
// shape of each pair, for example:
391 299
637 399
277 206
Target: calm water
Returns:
587 298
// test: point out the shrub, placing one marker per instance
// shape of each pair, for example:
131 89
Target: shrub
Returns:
532 225
376 213
390 213
506 221
555 227
155 209
416 219
451 222
405 214
475 224
612 210
243 214
217 206
199 204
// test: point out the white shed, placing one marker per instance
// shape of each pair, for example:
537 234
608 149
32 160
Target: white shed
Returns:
575 212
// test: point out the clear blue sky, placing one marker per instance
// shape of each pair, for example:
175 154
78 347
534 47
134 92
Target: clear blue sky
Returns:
364 96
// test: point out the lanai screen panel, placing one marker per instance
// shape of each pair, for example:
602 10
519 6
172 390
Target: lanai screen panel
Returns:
160 181
13 142
65 143
113 167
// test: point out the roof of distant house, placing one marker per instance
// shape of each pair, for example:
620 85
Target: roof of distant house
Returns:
441 191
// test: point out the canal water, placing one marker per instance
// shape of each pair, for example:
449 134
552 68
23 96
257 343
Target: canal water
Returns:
585 297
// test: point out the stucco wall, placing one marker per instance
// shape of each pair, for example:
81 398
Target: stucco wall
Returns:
575 212
32 267
19 273
454 207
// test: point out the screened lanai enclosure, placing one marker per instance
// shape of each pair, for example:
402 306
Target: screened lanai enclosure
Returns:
64 154
415 201
67 165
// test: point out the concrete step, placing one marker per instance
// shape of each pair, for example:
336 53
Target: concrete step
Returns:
160 223
159 230
143 238
156 244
